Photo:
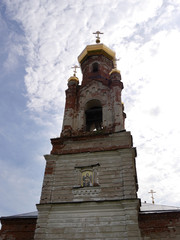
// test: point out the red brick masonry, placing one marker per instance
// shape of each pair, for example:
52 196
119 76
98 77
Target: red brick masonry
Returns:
17 228
160 225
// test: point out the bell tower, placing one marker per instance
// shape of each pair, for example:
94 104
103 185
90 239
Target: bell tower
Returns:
96 104
90 183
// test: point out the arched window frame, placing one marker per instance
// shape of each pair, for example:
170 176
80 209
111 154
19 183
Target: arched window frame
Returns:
95 67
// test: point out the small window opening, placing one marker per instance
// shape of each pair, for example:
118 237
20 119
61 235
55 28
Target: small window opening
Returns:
94 119
95 67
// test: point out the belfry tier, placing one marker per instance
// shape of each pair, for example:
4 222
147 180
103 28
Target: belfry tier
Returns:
94 106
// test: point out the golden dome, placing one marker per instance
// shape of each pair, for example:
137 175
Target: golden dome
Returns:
96 49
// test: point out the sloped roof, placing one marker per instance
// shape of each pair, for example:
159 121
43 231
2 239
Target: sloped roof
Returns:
23 215
155 208
145 208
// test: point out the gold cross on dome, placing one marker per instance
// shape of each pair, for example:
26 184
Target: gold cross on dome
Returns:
98 37
75 67
152 196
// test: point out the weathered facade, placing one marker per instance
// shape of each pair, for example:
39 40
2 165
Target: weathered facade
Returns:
18 227
156 222
160 225
90 182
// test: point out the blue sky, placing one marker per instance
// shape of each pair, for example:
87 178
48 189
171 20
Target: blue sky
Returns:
40 42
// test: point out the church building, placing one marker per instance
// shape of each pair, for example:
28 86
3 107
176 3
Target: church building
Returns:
90 183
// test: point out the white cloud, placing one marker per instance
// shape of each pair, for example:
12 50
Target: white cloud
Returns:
146 36
56 32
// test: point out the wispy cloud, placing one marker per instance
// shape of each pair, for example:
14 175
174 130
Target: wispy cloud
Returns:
145 36
55 34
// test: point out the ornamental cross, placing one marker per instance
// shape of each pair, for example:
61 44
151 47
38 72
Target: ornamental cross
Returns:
152 196
75 67
98 37
115 62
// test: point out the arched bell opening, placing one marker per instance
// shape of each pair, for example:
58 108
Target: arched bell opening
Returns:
93 115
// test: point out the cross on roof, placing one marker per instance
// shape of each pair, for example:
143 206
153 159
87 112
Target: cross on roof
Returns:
115 62
75 67
98 37
152 196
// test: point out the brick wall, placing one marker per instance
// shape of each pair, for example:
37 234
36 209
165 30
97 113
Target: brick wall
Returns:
116 171
18 229
156 226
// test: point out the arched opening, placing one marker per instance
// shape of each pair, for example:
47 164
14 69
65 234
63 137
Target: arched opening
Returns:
93 115
95 67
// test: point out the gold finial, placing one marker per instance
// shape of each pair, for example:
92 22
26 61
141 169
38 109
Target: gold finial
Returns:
75 67
152 196
98 37
115 62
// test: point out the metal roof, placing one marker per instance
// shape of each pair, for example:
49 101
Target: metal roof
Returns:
145 209
23 215
155 208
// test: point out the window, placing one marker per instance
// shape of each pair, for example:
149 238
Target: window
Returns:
95 67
